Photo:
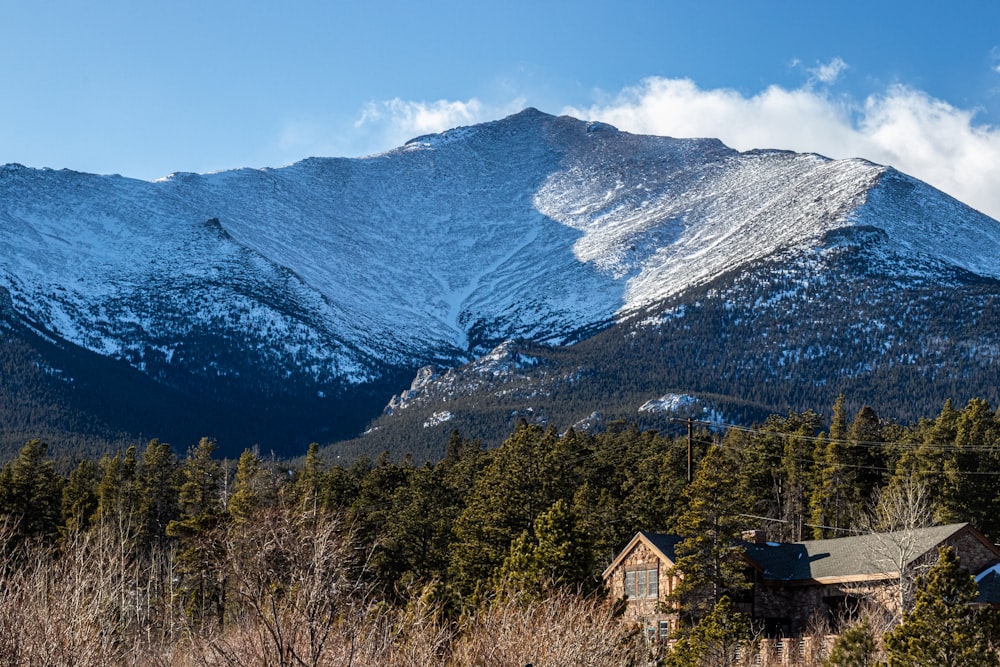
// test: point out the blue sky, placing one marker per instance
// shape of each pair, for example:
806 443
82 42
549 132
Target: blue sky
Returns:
145 89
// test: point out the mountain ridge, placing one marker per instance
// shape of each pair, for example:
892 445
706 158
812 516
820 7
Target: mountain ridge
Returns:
335 276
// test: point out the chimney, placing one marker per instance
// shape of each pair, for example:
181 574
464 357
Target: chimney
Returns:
758 537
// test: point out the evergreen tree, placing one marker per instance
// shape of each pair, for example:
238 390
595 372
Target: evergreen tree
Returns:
776 472
826 503
969 492
114 472
79 496
118 495
201 579
799 472
309 481
709 555
838 420
944 629
514 489
418 528
31 492
644 493
719 640
851 469
201 477
925 461
371 513
251 487
855 647
156 488
866 436
559 554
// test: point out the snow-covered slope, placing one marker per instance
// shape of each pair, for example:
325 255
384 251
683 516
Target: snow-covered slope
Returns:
534 227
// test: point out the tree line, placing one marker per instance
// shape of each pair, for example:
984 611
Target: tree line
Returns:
204 548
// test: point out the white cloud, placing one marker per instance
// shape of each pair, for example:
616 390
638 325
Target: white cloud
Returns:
903 127
830 72
906 128
383 125
420 117
394 122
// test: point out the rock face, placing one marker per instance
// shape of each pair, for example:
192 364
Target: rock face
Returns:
425 375
314 289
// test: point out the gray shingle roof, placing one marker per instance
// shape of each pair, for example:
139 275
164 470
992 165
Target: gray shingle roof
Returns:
859 555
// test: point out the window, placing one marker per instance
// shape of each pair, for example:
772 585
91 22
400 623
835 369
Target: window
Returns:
642 583
664 630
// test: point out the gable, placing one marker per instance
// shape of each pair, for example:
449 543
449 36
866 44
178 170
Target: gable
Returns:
647 546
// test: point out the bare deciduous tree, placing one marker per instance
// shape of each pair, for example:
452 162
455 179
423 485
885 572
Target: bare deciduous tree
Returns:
895 514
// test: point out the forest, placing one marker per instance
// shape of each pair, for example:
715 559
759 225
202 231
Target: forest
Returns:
488 556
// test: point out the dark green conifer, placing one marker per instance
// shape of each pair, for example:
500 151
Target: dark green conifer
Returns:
199 566
515 488
250 487
558 554
944 629
855 647
721 639
31 492
79 496
156 488
709 555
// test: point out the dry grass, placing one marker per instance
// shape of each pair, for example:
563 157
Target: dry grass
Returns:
295 595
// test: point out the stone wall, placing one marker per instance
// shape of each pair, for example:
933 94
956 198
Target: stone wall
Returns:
972 553
644 610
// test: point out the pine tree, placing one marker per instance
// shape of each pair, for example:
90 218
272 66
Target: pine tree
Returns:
515 488
855 647
719 640
199 568
31 492
865 434
777 472
928 459
250 487
371 513
79 496
709 555
826 503
969 492
309 481
156 486
944 629
558 554
852 468
418 528
798 472
118 496
645 492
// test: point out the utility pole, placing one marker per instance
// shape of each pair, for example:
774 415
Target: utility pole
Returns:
690 424
690 443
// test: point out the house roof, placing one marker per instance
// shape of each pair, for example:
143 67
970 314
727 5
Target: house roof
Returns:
840 559
843 558
659 543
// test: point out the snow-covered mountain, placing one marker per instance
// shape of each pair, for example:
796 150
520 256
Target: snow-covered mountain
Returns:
335 274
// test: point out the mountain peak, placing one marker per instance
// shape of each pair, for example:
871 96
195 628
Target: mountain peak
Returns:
335 274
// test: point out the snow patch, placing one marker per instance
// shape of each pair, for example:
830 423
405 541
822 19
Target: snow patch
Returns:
438 418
